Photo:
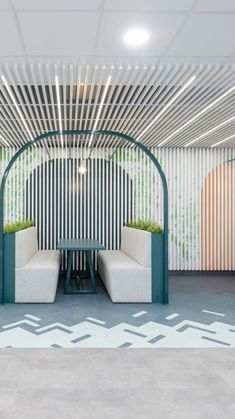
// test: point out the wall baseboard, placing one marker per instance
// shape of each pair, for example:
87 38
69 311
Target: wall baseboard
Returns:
202 273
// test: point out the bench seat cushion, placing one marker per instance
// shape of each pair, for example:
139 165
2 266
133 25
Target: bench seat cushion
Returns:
124 278
37 280
26 246
137 244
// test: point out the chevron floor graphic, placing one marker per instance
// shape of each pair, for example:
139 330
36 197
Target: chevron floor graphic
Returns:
94 333
201 314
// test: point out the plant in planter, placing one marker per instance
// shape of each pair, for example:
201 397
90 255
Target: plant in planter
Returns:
10 231
149 226
157 254
11 228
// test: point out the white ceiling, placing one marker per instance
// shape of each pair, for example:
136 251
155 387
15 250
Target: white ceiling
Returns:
180 30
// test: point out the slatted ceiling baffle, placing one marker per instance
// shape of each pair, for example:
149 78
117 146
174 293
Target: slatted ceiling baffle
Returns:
133 100
180 114
53 102
16 91
7 111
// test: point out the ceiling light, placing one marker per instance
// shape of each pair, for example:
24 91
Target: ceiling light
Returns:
210 131
197 115
59 107
167 105
222 141
136 37
100 108
82 168
16 105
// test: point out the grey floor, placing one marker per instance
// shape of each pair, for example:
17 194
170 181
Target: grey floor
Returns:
130 383
201 313
117 383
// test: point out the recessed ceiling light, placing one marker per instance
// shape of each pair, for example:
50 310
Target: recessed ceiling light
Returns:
136 37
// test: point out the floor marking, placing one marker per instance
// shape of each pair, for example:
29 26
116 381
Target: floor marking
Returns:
214 312
81 338
54 326
189 326
95 320
216 341
32 317
172 316
135 333
20 322
125 345
140 313
157 338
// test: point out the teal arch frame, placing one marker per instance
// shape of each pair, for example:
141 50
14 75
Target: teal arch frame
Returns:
163 298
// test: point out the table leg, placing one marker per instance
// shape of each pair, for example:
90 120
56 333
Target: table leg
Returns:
91 270
68 274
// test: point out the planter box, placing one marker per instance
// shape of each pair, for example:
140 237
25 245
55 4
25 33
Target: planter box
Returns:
150 252
9 268
157 257
10 265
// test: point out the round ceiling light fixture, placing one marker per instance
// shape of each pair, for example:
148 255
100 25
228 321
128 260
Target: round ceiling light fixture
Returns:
136 37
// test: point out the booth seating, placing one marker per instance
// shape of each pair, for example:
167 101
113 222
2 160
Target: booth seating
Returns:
126 273
37 271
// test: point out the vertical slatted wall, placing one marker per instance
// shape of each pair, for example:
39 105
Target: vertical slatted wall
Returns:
201 199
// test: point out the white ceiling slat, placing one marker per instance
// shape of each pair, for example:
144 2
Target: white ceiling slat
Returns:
64 99
46 107
38 121
38 104
181 113
12 80
71 84
9 128
97 74
10 109
162 95
126 94
197 101
78 84
50 74
136 95
119 84
188 130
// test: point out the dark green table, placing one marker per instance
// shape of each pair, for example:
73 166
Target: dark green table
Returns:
78 245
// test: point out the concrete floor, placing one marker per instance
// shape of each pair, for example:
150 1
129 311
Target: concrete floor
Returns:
117 383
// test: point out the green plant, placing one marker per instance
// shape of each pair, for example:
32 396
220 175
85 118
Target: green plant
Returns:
11 228
146 225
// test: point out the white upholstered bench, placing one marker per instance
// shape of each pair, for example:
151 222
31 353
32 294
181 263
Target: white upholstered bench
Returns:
126 273
37 271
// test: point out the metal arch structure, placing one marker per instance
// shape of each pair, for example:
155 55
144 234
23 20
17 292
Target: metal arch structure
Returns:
163 298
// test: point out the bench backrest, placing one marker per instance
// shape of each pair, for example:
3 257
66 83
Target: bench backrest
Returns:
137 244
26 245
